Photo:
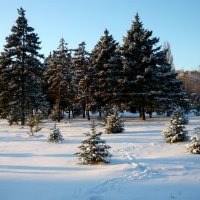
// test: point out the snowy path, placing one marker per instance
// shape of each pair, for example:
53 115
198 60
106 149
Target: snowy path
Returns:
132 170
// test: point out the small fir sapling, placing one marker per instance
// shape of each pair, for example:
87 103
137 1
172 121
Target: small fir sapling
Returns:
55 136
56 113
175 131
194 146
13 119
94 149
114 123
33 122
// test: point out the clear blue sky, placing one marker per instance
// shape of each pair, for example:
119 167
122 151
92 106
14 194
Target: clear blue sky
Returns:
175 21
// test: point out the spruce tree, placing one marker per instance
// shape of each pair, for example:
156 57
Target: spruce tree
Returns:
59 77
94 149
194 145
33 122
114 123
149 81
176 130
140 52
82 78
21 70
106 63
55 135
170 91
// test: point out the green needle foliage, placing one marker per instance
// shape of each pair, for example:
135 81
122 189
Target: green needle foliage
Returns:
175 131
194 146
94 149
55 136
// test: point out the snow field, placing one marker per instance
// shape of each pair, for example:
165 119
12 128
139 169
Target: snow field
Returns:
142 167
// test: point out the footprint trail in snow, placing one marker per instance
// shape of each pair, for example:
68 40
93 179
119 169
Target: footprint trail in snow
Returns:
133 170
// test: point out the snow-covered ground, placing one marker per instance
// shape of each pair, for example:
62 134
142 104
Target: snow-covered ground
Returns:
143 166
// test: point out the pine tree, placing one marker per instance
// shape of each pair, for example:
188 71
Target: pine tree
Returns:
82 78
106 63
175 131
55 136
21 70
59 76
94 149
114 123
194 145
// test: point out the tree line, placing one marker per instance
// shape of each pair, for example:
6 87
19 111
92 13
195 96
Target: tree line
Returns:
136 76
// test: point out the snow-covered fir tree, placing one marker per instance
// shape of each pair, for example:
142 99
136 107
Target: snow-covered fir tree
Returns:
114 123
55 135
56 114
21 71
59 77
195 101
82 78
175 131
165 91
139 52
33 122
194 145
148 77
107 64
94 149
106 111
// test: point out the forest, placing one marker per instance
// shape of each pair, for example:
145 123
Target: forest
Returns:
136 76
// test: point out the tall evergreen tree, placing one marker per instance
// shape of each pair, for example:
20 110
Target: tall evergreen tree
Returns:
106 63
169 90
148 74
82 78
59 76
140 52
21 70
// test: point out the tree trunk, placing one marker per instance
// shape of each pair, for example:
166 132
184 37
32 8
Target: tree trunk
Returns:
69 115
83 111
88 114
59 101
142 113
23 108
23 89
59 110
73 115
